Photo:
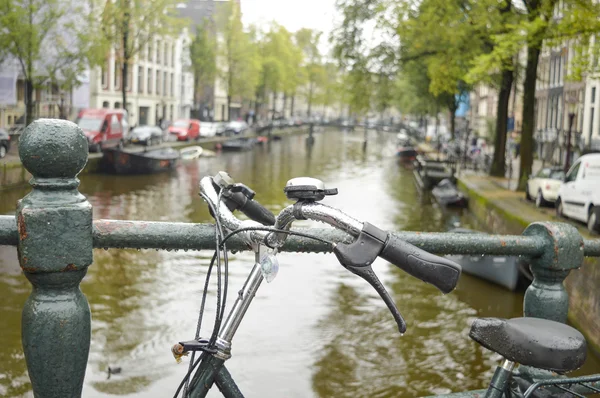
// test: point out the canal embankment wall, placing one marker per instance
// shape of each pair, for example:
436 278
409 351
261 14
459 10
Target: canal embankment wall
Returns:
13 174
507 212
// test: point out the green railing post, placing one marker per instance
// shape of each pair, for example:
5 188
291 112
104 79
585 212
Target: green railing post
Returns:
546 297
54 223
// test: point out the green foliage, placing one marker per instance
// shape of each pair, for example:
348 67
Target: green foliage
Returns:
237 56
129 25
203 55
52 41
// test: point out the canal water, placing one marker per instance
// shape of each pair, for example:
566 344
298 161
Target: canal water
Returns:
315 331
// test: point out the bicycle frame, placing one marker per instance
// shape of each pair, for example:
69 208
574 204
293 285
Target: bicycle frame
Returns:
211 369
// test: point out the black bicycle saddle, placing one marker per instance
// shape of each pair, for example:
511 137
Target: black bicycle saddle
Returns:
536 342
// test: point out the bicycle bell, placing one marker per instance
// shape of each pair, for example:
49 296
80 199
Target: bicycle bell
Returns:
307 189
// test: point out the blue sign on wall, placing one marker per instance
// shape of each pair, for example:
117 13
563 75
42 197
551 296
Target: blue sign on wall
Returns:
510 124
463 104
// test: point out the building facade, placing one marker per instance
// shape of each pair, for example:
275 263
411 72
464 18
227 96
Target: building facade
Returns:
159 83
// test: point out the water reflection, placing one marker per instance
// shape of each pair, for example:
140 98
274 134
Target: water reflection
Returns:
317 330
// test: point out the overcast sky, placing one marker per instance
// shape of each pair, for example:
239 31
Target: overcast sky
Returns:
293 14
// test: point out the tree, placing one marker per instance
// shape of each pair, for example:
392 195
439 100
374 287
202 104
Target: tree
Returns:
51 40
131 25
308 41
538 26
241 62
276 59
203 54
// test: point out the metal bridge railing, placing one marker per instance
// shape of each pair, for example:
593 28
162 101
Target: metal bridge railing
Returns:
54 232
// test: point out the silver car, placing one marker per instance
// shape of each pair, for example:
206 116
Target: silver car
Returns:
146 135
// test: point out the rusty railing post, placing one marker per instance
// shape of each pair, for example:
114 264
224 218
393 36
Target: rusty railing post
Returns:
546 297
54 223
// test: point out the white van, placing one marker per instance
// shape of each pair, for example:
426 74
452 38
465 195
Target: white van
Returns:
579 194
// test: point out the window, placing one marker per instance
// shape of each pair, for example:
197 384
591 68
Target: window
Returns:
106 104
149 81
171 113
150 53
165 76
158 53
166 57
158 82
9 120
557 175
117 105
129 84
104 74
544 173
172 85
140 79
572 174
173 55
182 85
593 95
115 125
591 121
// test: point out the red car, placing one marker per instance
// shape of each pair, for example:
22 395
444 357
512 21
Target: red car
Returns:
185 129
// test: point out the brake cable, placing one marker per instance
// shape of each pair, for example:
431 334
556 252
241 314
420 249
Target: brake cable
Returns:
221 303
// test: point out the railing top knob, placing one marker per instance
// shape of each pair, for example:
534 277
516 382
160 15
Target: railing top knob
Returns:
52 148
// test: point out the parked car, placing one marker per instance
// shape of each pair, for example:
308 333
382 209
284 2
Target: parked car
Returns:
4 143
543 187
185 129
146 135
579 194
209 129
103 128
236 127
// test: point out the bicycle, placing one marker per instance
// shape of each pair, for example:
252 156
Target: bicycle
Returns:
533 342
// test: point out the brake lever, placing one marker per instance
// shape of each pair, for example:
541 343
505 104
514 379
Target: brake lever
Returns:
357 258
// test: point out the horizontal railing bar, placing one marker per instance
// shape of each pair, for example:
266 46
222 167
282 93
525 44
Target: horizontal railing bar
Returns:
191 236
8 231
164 235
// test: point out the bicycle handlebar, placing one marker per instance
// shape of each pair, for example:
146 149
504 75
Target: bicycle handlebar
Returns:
371 242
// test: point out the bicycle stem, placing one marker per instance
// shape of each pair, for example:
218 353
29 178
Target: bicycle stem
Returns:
237 312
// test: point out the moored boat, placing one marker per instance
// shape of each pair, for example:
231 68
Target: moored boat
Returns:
407 154
190 153
115 161
429 173
446 194
238 144
501 270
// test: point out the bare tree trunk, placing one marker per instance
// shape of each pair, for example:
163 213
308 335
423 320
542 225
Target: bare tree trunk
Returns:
452 108
284 104
274 105
28 101
499 162
310 98
229 108
126 56
526 151
292 106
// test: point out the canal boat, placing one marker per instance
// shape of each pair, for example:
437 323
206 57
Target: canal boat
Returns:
428 173
501 270
238 144
115 161
446 194
191 153
407 154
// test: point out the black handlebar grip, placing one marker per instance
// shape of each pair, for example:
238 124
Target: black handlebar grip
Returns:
258 212
438 271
